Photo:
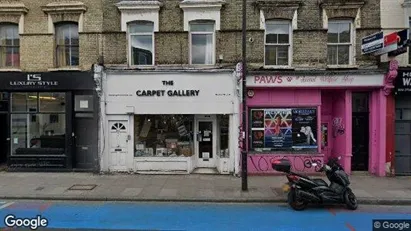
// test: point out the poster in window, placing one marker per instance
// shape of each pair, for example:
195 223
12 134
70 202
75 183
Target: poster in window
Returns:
304 128
277 128
324 135
257 139
257 118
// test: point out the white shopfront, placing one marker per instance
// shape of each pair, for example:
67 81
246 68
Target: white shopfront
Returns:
170 122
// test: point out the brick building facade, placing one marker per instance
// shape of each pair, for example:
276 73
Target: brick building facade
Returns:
48 107
300 54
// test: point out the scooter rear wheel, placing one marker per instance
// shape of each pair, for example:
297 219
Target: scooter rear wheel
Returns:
295 202
350 200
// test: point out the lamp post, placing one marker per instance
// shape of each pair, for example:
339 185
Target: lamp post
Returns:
244 183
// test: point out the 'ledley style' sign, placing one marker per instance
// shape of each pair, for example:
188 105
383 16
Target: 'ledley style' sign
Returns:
171 93
33 80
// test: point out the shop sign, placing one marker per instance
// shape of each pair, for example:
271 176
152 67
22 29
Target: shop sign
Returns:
34 80
171 93
53 80
403 82
315 81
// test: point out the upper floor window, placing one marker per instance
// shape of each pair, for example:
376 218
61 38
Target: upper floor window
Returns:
9 45
278 43
202 42
339 43
67 45
141 40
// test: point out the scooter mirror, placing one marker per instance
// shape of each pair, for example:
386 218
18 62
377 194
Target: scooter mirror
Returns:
314 164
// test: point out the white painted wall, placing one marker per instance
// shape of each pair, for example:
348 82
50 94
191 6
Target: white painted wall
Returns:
394 17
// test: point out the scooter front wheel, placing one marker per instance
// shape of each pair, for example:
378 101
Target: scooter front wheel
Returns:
350 200
295 202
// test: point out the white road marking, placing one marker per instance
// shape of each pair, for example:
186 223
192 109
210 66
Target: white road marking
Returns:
6 205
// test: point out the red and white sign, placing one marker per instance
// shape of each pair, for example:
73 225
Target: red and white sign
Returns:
316 81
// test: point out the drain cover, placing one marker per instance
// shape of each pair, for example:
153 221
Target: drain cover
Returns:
83 187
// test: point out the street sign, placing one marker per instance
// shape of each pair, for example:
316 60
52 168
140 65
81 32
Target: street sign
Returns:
372 43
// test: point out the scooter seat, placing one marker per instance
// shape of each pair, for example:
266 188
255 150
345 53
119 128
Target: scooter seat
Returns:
320 182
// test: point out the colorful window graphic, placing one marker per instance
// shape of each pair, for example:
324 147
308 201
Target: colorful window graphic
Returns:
283 129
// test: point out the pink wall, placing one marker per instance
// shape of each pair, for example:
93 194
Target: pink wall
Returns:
261 163
378 107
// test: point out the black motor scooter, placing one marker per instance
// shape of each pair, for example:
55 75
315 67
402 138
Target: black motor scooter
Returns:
303 190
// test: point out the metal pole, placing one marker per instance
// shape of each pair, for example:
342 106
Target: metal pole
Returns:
244 183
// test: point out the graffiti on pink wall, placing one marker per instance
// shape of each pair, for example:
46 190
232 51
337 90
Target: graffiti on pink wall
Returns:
299 163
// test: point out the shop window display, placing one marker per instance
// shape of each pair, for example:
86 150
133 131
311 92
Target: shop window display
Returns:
223 126
163 135
38 123
291 130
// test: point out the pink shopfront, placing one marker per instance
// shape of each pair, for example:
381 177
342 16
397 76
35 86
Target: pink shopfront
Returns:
308 118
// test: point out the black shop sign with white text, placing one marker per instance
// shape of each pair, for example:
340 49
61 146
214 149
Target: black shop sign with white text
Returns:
403 82
171 93
58 80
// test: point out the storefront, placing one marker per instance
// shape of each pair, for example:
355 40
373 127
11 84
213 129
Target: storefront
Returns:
307 118
48 121
170 122
402 143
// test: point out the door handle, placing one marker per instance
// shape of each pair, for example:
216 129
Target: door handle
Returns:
8 139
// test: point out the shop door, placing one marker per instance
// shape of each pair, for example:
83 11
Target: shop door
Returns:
360 131
84 136
360 134
118 141
4 140
206 144
403 142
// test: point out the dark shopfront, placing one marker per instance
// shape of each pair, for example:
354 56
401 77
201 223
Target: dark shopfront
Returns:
48 121
402 144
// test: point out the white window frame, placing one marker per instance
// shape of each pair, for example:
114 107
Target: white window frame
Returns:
351 44
129 35
213 61
290 42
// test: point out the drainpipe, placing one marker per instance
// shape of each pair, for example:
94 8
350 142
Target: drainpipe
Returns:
244 171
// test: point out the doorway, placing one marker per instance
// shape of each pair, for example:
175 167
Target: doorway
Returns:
4 127
206 141
4 140
84 137
118 143
360 132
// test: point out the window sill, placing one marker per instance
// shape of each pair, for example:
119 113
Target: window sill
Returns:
279 67
64 69
142 67
342 66
10 70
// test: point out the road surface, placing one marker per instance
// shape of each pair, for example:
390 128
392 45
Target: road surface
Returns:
197 216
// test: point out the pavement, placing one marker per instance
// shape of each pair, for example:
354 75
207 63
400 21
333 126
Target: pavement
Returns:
139 216
194 187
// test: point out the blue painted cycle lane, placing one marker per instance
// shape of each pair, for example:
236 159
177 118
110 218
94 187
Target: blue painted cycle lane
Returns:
194 216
